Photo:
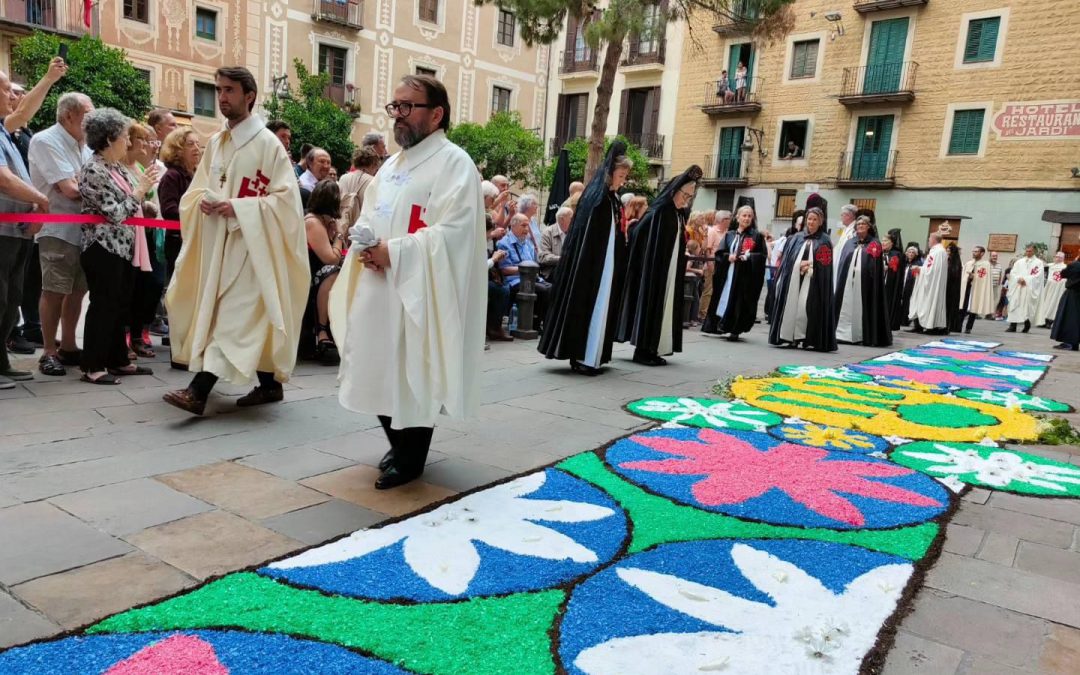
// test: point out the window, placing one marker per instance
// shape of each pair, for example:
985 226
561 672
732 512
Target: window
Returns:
785 203
429 10
430 72
966 135
500 100
206 24
146 75
507 24
804 59
205 99
870 204
137 10
981 43
793 132
573 114
332 61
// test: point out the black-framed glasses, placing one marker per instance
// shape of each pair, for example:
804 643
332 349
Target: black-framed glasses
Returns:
688 195
404 109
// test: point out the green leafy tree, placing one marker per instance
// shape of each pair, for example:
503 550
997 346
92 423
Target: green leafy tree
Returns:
578 152
314 118
101 72
502 147
542 20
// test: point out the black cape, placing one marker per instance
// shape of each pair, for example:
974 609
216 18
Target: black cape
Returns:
659 234
821 324
1067 320
581 266
748 277
895 266
954 272
876 317
909 276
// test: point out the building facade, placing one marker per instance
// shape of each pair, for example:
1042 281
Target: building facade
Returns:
645 93
924 110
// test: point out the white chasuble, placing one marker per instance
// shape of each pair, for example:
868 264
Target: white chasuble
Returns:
1051 294
849 327
412 335
928 301
1024 298
978 277
237 297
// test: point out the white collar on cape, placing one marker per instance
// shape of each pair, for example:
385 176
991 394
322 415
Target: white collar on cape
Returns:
243 133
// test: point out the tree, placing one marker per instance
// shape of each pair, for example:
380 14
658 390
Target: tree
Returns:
578 152
101 72
502 147
314 118
541 22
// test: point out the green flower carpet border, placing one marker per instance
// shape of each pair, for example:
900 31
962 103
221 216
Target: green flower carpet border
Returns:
753 530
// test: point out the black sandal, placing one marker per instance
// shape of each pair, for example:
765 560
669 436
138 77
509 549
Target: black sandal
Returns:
50 364
107 378
326 350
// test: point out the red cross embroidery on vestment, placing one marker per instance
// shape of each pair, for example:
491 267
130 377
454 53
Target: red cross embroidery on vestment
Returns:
254 187
415 221
981 273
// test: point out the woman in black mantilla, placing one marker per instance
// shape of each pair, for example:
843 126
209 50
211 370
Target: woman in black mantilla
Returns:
1066 328
952 289
862 314
895 262
584 309
913 265
652 302
737 281
804 290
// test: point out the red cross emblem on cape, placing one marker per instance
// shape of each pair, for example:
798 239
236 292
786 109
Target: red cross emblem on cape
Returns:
824 256
1057 276
874 249
254 187
1034 271
747 245
981 272
415 221
894 264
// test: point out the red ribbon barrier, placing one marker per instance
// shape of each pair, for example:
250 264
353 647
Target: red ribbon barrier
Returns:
77 219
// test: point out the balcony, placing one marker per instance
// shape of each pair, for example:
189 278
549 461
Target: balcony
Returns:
579 63
51 16
867 169
348 13
867 6
645 53
724 172
738 21
885 83
716 103
650 144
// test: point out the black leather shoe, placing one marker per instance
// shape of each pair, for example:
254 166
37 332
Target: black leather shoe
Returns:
734 337
261 395
1011 328
583 369
394 477
387 461
1027 326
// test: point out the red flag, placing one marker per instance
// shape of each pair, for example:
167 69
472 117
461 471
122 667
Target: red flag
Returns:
87 6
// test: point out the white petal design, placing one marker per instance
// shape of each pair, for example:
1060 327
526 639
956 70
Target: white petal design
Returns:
764 635
439 545
998 469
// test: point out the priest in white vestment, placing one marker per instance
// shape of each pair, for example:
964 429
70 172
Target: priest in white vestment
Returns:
1025 287
929 308
237 296
977 288
410 315
1051 295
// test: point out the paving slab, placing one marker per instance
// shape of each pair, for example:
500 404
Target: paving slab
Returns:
40 539
1019 525
462 474
1049 562
1065 510
19 624
999 549
1061 652
323 522
212 543
124 508
963 540
89 593
976 496
983 666
295 463
356 484
244 491
915 655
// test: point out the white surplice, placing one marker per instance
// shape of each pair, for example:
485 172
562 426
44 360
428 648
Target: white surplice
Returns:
794 322
928 301
1024 299
594 343
1051 294
849 327
666 346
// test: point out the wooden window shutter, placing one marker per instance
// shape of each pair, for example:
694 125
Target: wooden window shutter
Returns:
582 114
624 112
653 106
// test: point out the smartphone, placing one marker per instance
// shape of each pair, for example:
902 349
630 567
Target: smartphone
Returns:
64 51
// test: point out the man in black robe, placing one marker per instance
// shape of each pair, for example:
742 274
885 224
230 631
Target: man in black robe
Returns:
953 278
911 274
1066 329
864 319
652 302
895 263
803 314
738 278
584 308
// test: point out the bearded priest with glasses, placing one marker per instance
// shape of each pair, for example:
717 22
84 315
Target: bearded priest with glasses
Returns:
410 304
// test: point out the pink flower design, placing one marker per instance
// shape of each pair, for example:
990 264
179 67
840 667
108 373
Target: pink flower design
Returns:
735 471
177 654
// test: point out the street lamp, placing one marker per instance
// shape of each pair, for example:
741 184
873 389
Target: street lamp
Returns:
280 87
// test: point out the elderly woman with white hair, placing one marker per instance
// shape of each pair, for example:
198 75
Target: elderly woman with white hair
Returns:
848 214
738 278
112 250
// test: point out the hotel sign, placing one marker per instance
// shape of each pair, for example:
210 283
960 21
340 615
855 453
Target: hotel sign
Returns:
1038 121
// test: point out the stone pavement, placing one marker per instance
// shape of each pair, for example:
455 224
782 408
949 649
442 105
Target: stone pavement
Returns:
109 498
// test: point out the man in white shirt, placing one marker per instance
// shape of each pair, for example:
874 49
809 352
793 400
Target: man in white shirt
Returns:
56 157
846 229
551 242
318 163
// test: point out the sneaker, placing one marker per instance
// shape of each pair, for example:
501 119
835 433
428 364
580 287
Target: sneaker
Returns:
6 383
20 345
17 375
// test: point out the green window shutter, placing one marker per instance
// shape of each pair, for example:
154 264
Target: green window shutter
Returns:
966 132
804 59
981 43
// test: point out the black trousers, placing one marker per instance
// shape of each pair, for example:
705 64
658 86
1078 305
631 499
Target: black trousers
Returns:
498 304
31 294
108 277
173 242
13 254
202 384
410 445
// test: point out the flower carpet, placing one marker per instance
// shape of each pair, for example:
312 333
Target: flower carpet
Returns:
782 531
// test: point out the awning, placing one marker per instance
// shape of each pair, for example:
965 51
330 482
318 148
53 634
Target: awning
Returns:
947 217
1061 217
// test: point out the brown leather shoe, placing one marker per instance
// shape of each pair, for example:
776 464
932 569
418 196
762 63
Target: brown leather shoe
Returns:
185 400
259 396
